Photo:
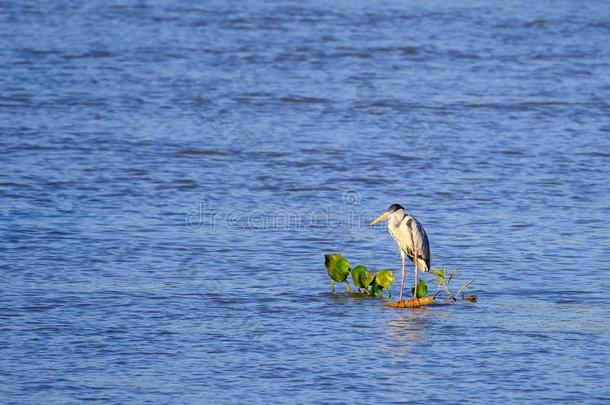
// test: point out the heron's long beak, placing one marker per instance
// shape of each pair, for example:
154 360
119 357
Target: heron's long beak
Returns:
380 218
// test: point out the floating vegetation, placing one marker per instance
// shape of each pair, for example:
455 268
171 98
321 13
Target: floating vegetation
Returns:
422 289
371 284
412 302
444 282
367 282
338 269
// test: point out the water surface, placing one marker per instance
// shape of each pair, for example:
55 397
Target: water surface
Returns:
172 174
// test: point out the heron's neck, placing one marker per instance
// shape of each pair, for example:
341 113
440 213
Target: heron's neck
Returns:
396 218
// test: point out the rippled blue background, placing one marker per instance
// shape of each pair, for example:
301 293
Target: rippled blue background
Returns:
173 172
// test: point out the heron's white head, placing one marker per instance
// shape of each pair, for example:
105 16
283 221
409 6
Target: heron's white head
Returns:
394 209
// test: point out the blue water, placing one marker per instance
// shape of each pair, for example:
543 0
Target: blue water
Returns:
172 174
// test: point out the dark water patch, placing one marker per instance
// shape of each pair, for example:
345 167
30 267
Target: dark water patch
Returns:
254 97
453 53
93 54
13 185
204 152
538 23
411 50
513 152
269 154
598 154
39 308
524 106
350 53
40 52
558 56
303 100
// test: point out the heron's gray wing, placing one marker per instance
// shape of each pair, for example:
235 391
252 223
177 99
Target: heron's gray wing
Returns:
419 241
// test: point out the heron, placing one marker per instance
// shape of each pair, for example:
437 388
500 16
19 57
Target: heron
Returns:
411 238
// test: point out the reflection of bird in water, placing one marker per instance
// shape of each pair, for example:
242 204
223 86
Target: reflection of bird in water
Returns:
405 332
411 238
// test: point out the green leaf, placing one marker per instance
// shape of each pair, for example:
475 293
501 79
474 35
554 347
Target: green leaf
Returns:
422 289
376 288
362 277
439 273
451 275
464 287
337 266
330 260
384 278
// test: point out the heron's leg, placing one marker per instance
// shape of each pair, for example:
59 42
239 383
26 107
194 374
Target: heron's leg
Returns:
404 271
416 277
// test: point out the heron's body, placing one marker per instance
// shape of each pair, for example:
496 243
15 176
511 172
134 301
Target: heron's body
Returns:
411 238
